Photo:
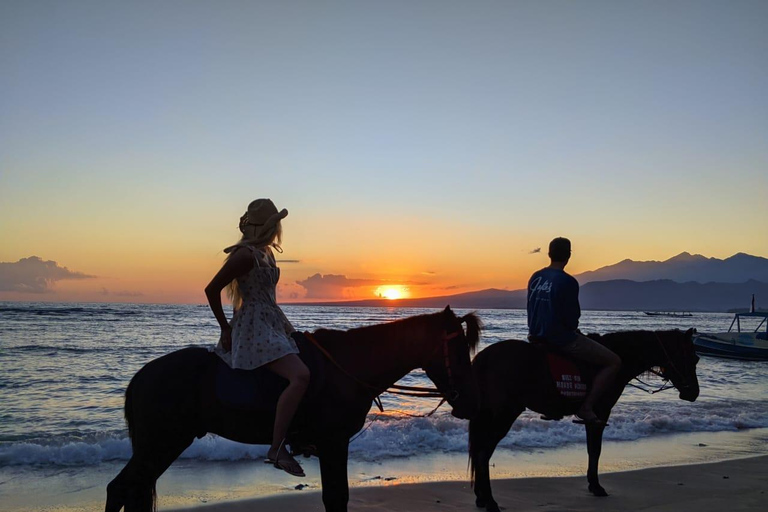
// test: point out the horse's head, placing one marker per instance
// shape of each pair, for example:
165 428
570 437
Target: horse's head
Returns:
677 359
449 366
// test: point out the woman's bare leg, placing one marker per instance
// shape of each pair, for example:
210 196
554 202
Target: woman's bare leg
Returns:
293 369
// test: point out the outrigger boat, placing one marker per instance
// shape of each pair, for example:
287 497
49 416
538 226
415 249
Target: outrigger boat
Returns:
668 313
748 344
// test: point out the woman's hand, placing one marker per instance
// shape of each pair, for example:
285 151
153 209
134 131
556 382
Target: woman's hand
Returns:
226 339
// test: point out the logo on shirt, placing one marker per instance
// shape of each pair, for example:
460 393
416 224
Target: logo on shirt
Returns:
538 286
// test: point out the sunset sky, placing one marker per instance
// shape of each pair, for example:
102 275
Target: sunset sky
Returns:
421 147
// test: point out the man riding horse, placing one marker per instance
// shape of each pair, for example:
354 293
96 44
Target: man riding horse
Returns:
553 319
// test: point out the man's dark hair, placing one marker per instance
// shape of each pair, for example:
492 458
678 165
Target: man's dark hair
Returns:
560 249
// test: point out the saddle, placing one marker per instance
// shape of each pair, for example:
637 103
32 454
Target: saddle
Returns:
567 376
570 379
259 389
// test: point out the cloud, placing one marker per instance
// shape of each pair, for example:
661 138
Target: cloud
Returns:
290 291
535 251
33 275
429 273
333 286
288 261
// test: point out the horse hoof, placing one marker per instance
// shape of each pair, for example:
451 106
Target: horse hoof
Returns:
598 490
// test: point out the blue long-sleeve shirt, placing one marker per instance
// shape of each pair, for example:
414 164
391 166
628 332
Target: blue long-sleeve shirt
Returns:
553 306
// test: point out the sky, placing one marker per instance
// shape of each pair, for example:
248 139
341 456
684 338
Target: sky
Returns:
422 148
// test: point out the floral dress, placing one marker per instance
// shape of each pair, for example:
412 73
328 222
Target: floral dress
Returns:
260 330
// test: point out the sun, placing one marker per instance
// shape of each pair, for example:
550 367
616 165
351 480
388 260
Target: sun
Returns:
390 292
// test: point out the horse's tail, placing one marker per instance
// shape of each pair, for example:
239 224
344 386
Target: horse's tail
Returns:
472 445
128 411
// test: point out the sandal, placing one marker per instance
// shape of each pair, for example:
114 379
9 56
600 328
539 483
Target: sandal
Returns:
288 465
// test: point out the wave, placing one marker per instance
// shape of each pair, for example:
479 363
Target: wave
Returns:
396 436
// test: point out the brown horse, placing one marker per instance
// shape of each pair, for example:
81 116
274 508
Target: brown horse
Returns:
174 399
513 375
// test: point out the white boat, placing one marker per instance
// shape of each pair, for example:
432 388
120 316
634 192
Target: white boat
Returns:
748 340
668 313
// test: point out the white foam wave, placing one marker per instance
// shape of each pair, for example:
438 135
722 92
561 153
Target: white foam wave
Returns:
394 437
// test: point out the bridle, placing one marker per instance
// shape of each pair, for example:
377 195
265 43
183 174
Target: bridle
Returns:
669 363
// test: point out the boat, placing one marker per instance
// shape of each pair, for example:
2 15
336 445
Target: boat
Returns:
668 313
747 341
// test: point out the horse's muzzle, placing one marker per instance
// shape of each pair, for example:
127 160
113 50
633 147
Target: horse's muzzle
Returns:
689 394
464 413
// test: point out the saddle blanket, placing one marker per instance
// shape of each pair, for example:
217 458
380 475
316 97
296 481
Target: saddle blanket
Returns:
567 377
259 389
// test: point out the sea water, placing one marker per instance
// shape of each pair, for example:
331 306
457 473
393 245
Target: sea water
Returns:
64 369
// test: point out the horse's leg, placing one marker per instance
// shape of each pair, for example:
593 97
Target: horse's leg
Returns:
136 491
146 466
333 453
594 447
485 432
117 488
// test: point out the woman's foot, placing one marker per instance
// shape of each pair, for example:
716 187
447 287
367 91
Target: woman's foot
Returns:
281 459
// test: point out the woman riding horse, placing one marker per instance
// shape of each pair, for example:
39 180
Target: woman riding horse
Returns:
260 334
175 398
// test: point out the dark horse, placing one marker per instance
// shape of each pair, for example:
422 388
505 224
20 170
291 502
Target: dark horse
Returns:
513 375
171 400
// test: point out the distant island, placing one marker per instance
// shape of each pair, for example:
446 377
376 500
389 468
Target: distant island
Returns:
617 295
683 283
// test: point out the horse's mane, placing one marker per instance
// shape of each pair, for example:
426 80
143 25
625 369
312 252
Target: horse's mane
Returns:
640 337
395 328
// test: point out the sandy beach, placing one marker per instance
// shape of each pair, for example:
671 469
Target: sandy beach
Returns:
735 485
676 472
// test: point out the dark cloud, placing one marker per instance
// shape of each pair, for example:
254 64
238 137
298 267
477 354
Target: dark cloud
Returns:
329 286
33 275
535 251
288 261
429 273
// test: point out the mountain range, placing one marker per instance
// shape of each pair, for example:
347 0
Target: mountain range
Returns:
684 268
686 282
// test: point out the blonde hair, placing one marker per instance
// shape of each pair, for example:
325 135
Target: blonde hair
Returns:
233 290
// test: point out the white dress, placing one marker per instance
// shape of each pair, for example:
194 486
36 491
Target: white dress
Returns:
260 330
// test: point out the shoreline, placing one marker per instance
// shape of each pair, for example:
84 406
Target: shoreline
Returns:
211 486
733 485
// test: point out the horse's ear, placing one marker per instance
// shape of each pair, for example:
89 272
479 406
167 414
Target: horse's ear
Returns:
690 332
447 310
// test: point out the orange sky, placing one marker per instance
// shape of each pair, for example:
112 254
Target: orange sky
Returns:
429 148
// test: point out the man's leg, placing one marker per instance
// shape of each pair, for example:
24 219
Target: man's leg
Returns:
608 363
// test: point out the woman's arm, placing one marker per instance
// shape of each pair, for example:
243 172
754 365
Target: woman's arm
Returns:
236 265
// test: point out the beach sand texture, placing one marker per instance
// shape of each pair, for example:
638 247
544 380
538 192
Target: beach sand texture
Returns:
735 485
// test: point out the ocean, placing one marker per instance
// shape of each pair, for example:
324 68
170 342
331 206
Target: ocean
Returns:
64 369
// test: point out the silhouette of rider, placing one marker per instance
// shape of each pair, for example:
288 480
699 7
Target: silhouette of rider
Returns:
553 318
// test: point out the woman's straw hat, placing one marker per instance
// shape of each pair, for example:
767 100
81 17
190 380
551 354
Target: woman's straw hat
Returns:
259 224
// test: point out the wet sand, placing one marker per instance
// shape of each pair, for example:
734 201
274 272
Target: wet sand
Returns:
534 479
735 485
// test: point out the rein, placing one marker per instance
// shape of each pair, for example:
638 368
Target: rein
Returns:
664 385
422 392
